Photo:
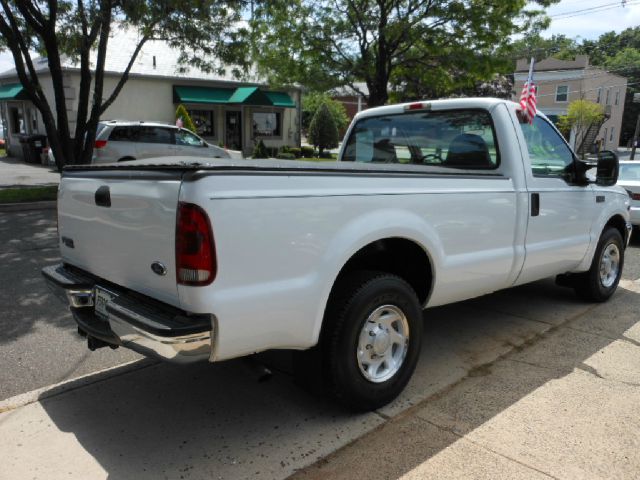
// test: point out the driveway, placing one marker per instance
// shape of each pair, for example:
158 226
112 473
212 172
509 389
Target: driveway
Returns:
524 383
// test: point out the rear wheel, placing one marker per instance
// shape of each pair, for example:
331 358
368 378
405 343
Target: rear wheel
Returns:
371 340
602 279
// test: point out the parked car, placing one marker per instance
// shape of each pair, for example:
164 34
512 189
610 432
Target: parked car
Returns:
120 141
430 203
629 179
2 142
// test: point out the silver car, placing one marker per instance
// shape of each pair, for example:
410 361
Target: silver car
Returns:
629 179
118 141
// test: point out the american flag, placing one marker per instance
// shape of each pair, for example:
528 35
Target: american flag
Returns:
528 96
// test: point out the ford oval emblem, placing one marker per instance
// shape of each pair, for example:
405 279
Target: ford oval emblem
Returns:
159 268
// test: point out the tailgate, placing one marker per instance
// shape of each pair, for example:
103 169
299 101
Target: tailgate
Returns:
116 225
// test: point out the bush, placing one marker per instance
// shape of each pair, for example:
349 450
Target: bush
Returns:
308 152
325 155
311 103
286 156
323 132
260 150
284 149
297 152
187 123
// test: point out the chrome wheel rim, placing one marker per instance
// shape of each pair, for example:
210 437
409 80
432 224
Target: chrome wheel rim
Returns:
609 265
383 343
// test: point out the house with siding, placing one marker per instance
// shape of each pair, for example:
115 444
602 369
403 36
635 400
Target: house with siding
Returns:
560 82
226 111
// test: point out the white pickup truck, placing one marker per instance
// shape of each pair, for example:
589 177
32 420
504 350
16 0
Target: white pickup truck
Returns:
430 203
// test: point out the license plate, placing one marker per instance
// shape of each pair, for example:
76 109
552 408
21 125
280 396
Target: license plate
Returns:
102 297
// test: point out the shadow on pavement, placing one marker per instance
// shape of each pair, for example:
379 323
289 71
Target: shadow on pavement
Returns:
217 421
482 408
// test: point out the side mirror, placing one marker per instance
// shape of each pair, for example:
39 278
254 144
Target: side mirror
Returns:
608 168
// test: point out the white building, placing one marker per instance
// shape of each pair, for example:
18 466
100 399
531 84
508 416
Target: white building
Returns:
226 111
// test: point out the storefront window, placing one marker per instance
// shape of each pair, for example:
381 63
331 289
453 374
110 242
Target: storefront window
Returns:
266 124
204 122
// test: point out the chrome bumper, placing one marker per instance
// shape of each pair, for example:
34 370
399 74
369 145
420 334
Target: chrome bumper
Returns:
629 228
150 328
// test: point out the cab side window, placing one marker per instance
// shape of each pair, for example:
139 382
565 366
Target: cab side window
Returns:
548 153
155 135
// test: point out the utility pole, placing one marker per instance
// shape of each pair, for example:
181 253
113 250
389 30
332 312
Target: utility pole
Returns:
636 99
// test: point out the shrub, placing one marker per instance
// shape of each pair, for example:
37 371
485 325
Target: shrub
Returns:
297 152
307 152
260 150
311 103
325 155
323 132
286 156
284 149
187 123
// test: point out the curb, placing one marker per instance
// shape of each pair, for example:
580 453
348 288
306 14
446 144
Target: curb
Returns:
57 389
20 207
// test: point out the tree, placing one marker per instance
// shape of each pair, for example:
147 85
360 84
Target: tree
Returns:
81 29
311 102
581 115
386 43
323 132
183 114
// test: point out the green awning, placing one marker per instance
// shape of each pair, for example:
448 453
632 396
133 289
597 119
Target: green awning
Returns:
281 99
11 92
226 96
250 96
202 94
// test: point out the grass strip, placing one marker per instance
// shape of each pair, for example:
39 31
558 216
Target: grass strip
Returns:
28 194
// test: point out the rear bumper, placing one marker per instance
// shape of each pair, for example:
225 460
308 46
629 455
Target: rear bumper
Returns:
634 213
133 321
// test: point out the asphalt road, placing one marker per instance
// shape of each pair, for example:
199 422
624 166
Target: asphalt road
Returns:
38 341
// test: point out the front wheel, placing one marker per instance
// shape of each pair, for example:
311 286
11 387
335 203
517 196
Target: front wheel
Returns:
601 281
372 339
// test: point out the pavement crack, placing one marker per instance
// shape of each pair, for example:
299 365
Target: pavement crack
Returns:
488 449
589 369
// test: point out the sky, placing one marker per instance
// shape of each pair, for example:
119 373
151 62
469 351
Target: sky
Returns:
569 17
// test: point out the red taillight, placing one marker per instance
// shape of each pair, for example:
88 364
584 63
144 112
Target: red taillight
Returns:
195 250
100 144
634 196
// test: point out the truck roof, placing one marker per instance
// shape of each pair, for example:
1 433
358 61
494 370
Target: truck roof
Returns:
479 102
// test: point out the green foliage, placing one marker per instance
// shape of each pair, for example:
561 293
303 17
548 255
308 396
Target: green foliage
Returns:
323 132
308 152
260 150
28 194
208 35
286 156
581 114
312 101
404 43
183 114
297 152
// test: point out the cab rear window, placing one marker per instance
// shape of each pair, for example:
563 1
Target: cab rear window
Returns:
454 138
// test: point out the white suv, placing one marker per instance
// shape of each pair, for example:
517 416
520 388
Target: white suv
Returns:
118 141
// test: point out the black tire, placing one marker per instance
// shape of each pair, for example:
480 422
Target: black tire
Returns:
354 299
590 286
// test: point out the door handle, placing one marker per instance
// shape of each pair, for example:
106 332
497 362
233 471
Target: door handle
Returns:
535 204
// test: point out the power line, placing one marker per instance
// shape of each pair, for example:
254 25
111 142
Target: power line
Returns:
594 9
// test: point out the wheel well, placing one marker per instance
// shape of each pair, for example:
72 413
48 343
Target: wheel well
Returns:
398 256
618 223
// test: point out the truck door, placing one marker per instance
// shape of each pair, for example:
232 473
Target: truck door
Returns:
560 212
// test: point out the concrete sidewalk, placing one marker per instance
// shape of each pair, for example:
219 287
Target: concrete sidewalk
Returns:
522 383
16 173
568 406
